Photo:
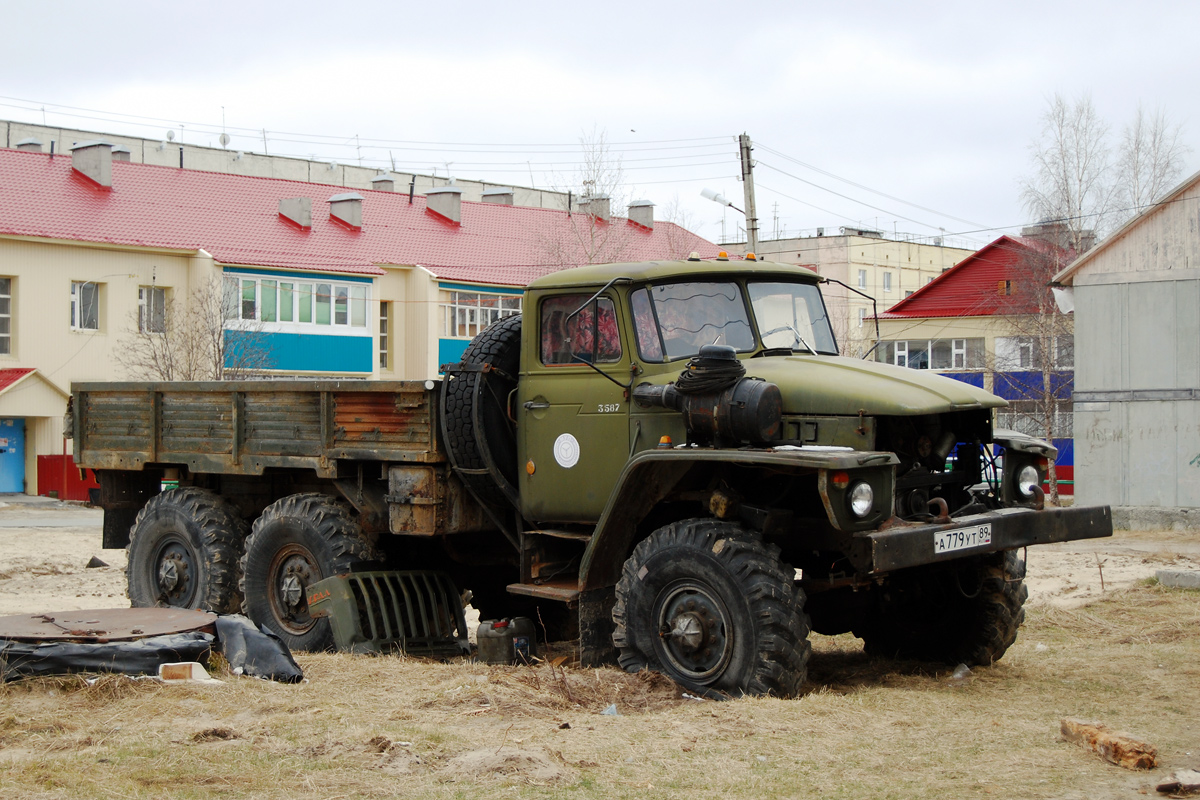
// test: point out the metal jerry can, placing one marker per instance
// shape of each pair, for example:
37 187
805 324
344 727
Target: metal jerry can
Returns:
507 641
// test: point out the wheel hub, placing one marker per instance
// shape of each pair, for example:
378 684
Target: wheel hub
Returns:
293 570
694 632
173 575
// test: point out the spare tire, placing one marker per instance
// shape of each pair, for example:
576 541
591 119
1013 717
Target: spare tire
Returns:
477 428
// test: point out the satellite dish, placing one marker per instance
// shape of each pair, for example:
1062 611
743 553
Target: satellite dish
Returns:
170 136
224 140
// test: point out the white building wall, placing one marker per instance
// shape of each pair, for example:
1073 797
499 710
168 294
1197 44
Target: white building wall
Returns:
1137 390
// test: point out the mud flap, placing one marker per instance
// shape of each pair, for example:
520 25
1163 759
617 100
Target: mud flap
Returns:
596 646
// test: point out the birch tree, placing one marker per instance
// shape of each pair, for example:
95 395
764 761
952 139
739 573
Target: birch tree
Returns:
200 339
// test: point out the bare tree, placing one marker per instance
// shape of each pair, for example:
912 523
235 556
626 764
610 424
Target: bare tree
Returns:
1034 364
1078 188
1071 182
200 340
1150 160
592 235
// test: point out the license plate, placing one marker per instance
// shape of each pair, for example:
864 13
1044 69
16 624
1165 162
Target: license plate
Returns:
962 539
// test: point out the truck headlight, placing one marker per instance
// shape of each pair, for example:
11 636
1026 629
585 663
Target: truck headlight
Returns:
1027 479
862 497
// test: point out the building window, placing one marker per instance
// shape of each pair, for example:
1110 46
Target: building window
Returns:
936 354
85 306
1064 352
334 305
1004 288
1016 352
929 280
1032 417
384 320
468 313
5 316
152 310
862 279
908 294
887 281
862 315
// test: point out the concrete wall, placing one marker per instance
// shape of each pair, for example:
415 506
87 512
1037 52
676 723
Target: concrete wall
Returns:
910 264
262 165
1137 345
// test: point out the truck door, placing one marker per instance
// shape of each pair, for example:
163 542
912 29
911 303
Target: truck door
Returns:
573 431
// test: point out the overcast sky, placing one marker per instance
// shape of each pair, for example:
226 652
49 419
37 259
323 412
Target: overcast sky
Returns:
932 104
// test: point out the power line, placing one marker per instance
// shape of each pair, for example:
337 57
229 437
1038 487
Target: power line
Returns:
866 188
115 116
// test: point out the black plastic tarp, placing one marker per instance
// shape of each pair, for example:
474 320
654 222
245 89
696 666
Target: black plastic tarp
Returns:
137 657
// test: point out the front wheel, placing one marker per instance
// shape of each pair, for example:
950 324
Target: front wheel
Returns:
964 611
298 541
711 606
183 552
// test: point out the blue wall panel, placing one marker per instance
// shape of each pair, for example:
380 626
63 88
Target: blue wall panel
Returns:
307 352
1028 385
450 350
973 378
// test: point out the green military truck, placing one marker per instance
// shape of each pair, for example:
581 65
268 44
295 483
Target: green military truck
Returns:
668 460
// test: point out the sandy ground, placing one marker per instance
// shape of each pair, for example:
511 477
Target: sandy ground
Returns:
47 545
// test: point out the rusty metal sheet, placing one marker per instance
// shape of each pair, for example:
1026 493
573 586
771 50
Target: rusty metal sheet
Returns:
105 624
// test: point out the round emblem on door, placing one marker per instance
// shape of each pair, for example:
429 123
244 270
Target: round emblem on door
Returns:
566 450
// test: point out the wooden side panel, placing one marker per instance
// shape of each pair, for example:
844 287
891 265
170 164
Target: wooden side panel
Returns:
282 423
120 422
196 422
399 421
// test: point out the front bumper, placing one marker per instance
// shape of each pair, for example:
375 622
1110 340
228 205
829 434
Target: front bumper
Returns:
1010 528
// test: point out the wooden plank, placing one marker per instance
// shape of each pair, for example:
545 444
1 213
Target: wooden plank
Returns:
1113 746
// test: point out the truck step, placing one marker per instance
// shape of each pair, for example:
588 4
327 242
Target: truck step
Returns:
579 536
563 591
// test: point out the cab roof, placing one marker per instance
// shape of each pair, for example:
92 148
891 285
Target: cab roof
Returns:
600 274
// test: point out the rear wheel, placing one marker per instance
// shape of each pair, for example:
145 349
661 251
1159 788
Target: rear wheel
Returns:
298 541
964 611
709 605
184 548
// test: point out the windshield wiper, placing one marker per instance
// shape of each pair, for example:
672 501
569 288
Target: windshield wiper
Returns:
795 333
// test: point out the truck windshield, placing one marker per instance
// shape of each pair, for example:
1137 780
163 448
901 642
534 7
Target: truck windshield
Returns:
689 316
791 315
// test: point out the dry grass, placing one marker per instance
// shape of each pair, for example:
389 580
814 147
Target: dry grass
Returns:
385 727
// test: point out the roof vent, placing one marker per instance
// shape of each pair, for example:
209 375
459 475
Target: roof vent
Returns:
642 212
446 201
93 160
297 210
30 144
120 153
597 205
502 195
347 208
384 182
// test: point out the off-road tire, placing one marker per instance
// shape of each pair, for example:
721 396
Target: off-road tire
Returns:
298 541
184 547
498 346
962 612
735 581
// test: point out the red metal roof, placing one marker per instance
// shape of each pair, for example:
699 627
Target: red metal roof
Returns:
236 219
10 376
971 287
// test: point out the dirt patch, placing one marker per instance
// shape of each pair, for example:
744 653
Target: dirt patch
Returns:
536 766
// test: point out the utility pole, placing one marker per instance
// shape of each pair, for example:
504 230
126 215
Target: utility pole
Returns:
748 187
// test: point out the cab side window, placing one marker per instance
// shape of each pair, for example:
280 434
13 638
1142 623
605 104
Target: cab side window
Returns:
590 335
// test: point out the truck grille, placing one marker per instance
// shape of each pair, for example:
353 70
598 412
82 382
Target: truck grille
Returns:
419 612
